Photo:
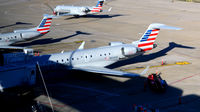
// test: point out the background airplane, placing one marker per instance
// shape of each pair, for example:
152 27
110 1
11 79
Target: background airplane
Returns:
96 59
7 39
64 10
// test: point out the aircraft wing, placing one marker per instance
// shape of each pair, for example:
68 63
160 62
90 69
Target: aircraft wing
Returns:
107 71
11 47
14 48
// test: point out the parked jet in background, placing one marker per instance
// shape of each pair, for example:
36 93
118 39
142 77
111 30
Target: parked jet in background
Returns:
64 10
96 59
7 39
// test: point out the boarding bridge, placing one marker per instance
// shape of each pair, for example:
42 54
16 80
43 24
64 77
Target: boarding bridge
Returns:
15 76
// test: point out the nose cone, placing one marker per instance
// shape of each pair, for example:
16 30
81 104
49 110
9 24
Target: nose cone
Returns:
29 35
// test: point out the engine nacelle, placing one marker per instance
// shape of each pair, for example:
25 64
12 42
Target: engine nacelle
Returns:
115 43
29 35
19 31
129 50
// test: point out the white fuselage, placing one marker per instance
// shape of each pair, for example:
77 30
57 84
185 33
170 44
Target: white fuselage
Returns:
73 10
98 57
10 38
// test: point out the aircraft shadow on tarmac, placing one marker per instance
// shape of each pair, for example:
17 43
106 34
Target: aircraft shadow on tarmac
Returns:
50 40
93 92
17 23
96 16
148 57
85 92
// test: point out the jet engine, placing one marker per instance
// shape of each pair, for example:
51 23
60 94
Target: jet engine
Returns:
20 31
115 43
85 9
28 35
129 50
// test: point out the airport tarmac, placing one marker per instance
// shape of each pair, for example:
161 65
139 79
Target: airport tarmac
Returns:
127 21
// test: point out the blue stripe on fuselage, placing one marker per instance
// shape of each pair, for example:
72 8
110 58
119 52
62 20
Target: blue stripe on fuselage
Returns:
43 23
146 36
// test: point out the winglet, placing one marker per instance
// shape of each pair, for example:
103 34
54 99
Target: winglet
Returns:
82 45
109 9
145 71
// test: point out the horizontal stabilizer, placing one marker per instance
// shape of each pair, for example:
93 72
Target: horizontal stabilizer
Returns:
49 16
162 26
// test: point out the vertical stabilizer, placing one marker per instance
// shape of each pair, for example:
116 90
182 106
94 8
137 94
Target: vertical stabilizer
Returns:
147 40
98 7
44 26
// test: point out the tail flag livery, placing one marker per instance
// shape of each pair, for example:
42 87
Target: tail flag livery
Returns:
45 25
147 40
98 7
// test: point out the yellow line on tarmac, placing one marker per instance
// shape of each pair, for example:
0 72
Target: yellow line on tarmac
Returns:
177 63
74 42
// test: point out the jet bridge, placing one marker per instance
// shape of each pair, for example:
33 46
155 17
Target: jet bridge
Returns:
15 76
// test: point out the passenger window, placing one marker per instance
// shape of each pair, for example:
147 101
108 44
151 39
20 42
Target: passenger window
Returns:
0 39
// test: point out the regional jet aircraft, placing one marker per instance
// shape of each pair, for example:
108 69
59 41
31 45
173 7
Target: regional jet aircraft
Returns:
63 10
7 39
96 59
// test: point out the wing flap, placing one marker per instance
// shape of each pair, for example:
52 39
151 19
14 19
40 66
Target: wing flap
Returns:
106 71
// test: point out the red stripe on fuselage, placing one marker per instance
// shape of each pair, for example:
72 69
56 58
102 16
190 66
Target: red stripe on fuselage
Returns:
48 22
147 49
153 34
145 44
46 25
43 29
151 39
95 10
49 18
155 30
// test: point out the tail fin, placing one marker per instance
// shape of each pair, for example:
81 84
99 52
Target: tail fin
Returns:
44 26
98 7
147 40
